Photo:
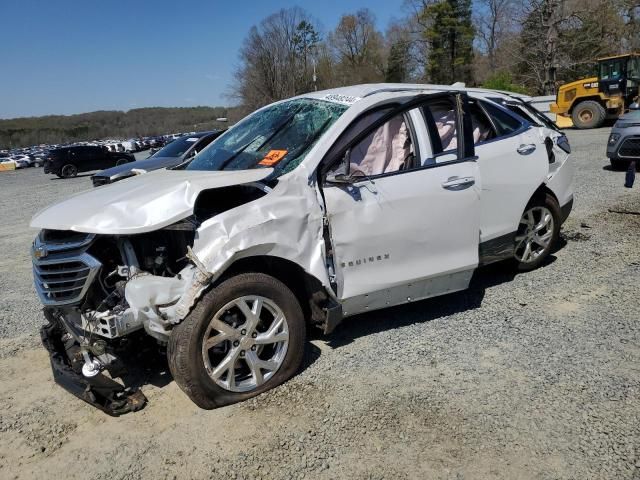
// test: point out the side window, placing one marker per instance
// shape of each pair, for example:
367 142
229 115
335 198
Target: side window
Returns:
482 128
386 149
504 122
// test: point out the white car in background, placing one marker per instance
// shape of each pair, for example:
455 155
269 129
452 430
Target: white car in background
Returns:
22 161
308 211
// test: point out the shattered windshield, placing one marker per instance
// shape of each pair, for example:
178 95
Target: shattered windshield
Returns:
278 137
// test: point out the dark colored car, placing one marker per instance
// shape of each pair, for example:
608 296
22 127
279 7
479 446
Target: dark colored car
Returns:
68 161
623 145
172 154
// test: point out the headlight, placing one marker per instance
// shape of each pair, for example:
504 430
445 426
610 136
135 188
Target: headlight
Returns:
613 138
563 143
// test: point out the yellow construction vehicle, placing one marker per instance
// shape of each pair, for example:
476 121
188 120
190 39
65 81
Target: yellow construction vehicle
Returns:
590 101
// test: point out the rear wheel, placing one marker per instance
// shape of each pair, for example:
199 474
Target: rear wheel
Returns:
244 337
537 233
121 161
68 171
588 114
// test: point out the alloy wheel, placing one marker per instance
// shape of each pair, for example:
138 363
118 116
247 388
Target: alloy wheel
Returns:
69 171
535 233
245 343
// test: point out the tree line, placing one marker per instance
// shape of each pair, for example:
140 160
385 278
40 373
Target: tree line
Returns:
529 46
56 129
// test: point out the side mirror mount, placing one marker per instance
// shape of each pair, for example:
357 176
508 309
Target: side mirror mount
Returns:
341 175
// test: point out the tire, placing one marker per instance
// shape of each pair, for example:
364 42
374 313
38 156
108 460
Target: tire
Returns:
588 114
194 371
68 171
121 161
542 241
618 164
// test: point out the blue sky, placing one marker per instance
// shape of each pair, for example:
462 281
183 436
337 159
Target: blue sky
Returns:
72 56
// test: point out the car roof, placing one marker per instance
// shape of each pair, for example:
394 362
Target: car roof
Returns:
353 93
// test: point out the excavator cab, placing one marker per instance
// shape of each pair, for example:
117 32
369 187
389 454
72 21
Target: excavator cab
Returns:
619 76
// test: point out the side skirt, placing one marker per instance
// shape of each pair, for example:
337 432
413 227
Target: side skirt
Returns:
406 293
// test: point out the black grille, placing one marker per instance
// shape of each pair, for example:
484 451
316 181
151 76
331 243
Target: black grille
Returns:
630 148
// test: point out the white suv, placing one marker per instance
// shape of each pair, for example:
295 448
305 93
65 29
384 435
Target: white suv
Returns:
308 211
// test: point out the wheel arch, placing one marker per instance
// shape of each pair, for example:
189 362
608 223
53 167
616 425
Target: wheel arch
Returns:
540 192
308 290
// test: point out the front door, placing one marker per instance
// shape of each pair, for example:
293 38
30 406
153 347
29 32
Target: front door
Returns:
404 222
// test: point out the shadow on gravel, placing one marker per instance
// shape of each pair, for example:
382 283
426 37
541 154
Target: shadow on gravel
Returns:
424 310
621 168
56 178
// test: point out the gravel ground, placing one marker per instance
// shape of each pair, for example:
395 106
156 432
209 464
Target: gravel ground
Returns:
534 375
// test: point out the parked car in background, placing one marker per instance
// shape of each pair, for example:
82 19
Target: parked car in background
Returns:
308 211
624 140
68 161
173 154
22 161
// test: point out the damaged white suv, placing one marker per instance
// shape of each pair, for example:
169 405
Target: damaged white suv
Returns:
306 212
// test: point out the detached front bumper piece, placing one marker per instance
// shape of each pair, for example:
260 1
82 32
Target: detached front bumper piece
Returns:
100 391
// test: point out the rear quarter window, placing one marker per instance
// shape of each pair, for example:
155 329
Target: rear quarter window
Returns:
505 123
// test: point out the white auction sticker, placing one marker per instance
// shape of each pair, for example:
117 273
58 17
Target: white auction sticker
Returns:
344 99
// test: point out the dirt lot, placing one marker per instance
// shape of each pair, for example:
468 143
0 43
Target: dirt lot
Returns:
534 375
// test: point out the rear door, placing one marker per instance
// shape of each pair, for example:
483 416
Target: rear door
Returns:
513 163
404 225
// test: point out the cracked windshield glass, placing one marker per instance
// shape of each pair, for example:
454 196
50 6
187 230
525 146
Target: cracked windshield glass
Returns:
279 137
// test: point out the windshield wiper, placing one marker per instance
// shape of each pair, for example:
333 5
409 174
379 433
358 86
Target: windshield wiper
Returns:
235 155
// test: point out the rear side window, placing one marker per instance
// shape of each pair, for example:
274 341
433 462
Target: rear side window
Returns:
505 123
483 130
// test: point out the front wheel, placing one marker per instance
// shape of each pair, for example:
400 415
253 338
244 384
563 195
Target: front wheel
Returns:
245 336
68 171
537 233
588 114
121 161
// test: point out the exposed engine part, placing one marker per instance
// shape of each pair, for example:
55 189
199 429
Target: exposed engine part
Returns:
91 367
69 371
111 323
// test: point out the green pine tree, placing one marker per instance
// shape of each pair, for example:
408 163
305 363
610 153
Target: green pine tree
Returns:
449 34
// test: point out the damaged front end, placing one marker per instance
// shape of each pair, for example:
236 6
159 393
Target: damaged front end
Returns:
104 298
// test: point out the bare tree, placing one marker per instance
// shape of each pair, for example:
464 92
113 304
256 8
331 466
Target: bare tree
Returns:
560 40
276 58
358 48
495 21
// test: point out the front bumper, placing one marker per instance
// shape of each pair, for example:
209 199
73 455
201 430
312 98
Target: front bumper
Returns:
66 363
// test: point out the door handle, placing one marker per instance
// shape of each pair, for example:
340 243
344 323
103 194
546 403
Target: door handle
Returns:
458 183
526 149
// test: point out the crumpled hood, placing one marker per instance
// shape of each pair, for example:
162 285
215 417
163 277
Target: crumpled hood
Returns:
139 204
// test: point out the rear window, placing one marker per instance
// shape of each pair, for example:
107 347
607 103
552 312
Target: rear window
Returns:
505 123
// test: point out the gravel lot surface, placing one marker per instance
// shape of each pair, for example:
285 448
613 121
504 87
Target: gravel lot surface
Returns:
534 375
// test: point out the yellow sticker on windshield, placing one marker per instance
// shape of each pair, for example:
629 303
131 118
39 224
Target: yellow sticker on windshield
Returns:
273 157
